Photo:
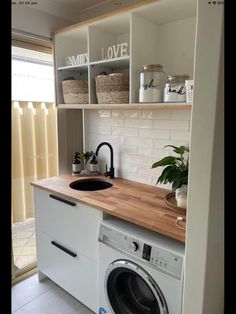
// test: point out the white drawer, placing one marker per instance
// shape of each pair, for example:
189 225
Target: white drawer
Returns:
77 275
78 225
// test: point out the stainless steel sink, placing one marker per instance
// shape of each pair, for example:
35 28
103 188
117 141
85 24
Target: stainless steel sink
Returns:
90 185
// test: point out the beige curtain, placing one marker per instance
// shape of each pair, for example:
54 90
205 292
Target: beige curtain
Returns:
34 152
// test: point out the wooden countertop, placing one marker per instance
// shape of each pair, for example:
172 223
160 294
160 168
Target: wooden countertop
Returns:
138 203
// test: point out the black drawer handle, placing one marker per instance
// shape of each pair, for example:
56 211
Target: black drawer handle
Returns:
59 246
60 199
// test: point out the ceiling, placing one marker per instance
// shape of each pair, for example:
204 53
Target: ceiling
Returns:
80 4
79 9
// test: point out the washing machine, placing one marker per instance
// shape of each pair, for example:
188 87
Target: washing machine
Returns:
140 271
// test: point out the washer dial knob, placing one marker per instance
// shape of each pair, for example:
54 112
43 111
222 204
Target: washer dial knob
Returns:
132 246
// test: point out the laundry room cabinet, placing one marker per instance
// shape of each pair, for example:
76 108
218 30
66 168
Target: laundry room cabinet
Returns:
67 246
161 32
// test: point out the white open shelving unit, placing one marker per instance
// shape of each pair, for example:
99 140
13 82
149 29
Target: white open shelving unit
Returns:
160 32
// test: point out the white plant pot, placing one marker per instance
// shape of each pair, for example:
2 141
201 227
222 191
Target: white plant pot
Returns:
181 196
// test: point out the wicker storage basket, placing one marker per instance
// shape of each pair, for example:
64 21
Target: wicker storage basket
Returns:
75 91
112 89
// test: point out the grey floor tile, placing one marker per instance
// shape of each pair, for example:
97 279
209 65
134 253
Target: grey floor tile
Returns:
29 289
19 312
54 301
32 297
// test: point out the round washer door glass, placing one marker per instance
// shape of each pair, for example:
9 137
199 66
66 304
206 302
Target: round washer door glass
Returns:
131 290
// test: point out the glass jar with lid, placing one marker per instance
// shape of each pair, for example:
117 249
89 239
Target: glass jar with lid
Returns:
175 90
152 82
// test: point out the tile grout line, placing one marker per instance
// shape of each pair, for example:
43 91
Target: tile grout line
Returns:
50 288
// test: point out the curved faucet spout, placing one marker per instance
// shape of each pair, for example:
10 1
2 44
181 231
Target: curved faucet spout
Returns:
111 172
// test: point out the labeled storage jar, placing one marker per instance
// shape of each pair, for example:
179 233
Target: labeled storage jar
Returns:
189 90
75 91
175 90
151 83
112 88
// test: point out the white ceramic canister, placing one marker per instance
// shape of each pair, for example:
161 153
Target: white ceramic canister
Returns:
189 90
175 89
151 84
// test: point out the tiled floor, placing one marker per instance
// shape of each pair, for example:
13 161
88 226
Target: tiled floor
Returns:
33 297
23 242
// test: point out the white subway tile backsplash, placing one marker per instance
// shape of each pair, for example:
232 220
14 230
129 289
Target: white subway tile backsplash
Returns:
146 114
139 141
171 124
124 131
180 135
158 134
154 114
184 114
162 143
157 153
100 129
138 138
136 159
135 177
139 123
118 114
109 121
161 114
147 171
104 113
130 167
131 114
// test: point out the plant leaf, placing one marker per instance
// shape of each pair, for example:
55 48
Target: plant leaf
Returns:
169 160
179 150
176 184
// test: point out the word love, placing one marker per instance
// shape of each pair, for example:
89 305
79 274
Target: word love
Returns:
115 51
76 60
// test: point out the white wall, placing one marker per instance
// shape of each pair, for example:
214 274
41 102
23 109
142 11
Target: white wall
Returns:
138 138
39 23
204 276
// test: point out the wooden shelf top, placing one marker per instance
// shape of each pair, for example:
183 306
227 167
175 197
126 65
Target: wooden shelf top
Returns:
128 106
138 203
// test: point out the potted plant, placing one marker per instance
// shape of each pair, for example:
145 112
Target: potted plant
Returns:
176 172
84 157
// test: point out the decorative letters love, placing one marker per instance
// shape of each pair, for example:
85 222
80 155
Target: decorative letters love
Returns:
115 51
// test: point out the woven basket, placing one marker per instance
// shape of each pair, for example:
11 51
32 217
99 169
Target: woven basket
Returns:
112 89
75 91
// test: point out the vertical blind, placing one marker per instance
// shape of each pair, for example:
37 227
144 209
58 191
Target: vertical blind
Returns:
34 152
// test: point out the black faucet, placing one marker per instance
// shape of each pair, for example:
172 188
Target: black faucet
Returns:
109 173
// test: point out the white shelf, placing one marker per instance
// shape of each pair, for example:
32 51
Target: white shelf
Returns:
83 67
128 106
113 63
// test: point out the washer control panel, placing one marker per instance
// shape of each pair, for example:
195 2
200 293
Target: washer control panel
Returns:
154 255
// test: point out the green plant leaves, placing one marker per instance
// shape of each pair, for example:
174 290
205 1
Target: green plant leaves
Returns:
175 168
84 157
179 150
169 160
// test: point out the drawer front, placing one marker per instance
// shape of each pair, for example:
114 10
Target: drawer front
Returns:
78 274
72 223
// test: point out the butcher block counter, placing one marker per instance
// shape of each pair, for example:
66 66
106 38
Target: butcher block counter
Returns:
138 203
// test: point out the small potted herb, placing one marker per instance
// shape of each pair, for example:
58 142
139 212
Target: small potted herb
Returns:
84 157
176 172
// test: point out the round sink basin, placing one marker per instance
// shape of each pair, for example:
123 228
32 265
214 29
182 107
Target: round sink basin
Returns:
90 185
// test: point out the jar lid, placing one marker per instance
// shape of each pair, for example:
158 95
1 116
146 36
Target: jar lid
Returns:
178 78
152 67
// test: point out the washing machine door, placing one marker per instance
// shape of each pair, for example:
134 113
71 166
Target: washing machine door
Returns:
129 289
